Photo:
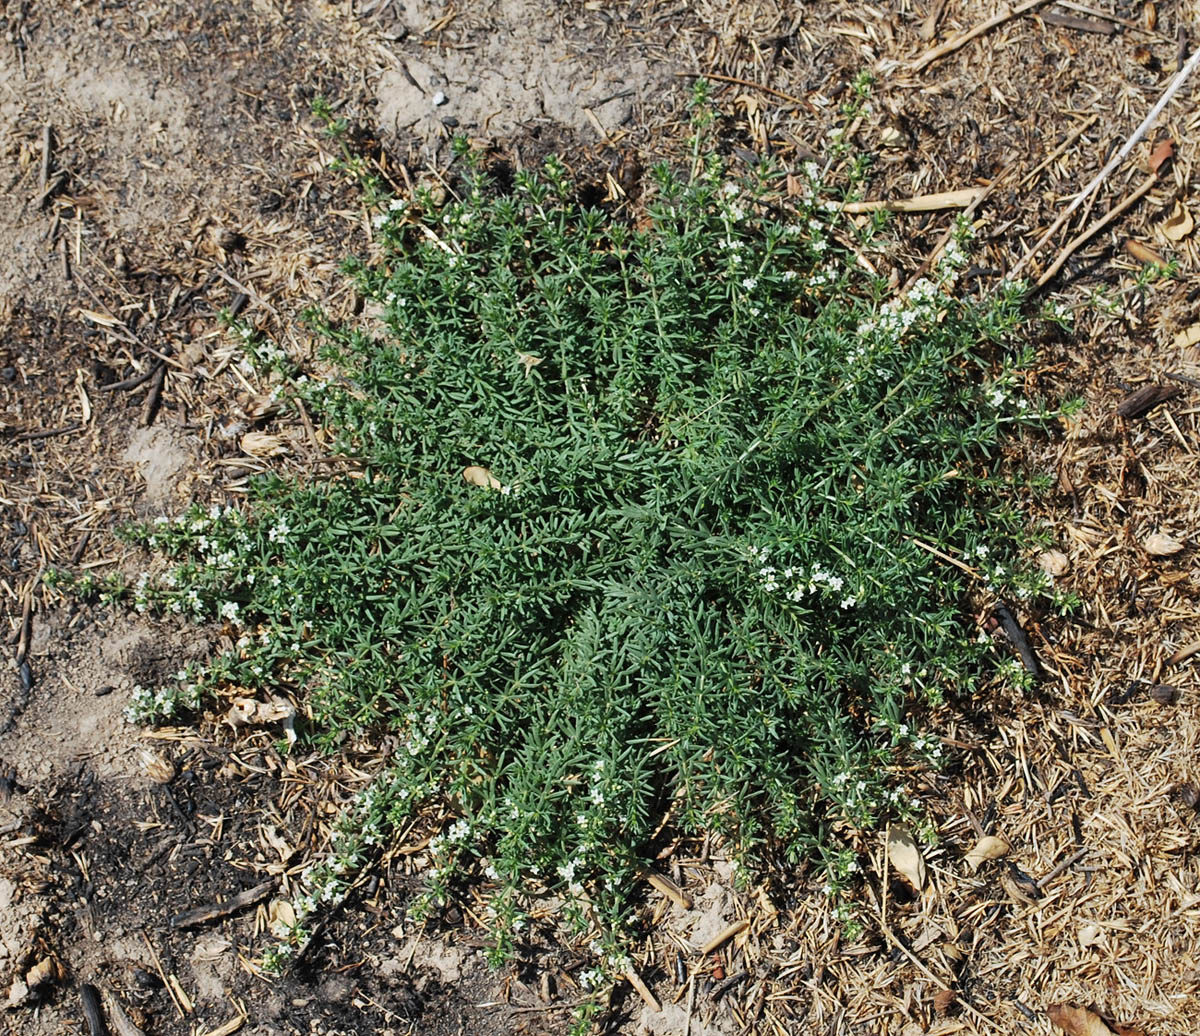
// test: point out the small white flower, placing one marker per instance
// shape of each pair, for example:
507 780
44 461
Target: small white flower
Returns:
749 283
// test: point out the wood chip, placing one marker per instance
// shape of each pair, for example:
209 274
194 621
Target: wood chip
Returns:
1145 399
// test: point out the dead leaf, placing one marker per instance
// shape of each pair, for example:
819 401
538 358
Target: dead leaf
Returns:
989 847
281 917
157 767
1143 253
1054 563
942 1000
892 137
1189 336
1163 150
1179 224
1011 885
1078 1021
478 476
103 319
251 712
44 971
263 444
256 408
1161 545
85 404
749 103
1091 935
1150 16
270 835
18 993
529 361
121 1022
210 947
905 855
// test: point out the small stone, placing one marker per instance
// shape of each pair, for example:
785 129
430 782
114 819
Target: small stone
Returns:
439 99
1165 693
105 690
449 121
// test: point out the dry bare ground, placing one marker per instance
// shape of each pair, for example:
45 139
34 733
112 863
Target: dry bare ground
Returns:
158 163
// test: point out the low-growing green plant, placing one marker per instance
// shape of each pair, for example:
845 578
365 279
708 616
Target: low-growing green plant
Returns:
667 521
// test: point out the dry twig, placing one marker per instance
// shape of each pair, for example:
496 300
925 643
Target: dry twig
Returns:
950 46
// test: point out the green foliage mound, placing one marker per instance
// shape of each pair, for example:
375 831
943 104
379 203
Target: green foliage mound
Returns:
641 529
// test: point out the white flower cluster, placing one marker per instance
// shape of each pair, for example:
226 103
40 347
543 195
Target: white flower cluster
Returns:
592 978
381 219
734 247
146 706
566 871
796 582
420 733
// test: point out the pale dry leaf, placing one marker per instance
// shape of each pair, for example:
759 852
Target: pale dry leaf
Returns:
44 971
263 444
905 855
210 947
281 917
1091 935
528 361
157 767
122 1024
1161 545
989 847
1078 1021
249 712
478 476
1179 224
261 406
750 103
18 993
103 319
891 137
271 836
241 713
1189 336
1054 563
